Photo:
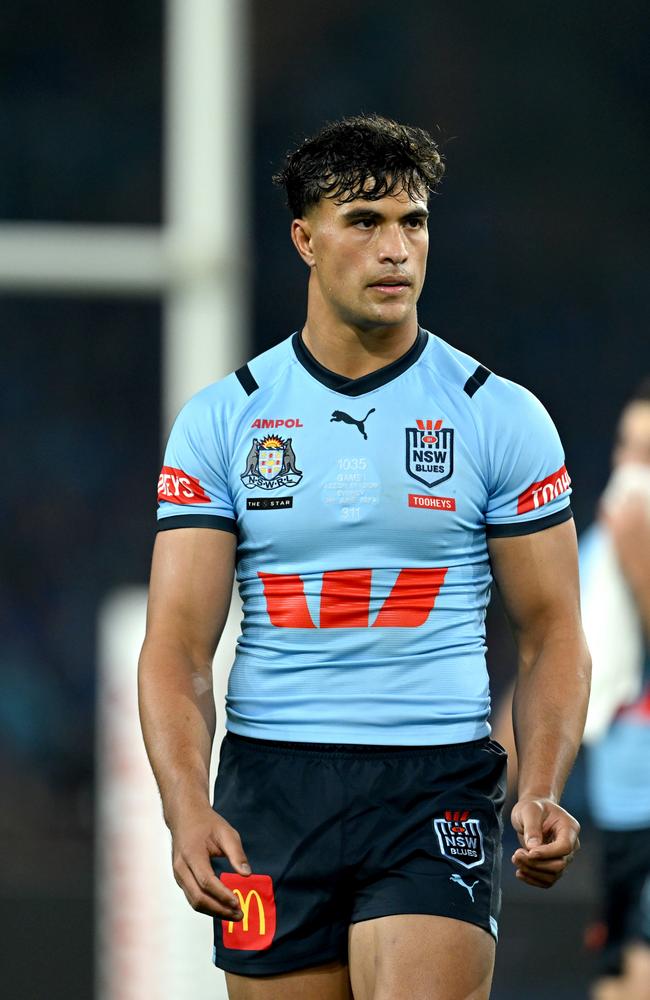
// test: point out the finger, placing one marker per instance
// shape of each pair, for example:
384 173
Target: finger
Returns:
530 880
554 865
543 876
530 818
206 879
536 857
217 900
195 875
230 843
560 847
223 904
540 882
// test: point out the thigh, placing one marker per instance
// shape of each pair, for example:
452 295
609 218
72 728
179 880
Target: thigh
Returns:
420 957
326 982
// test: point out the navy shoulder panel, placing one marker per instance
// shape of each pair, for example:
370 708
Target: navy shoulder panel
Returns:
246 380
476 380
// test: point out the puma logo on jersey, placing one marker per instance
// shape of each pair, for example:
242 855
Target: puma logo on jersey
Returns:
458 880
339 416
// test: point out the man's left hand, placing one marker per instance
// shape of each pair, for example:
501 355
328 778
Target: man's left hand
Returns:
549 839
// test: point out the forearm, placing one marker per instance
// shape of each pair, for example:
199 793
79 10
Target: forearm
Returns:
549 710
177 715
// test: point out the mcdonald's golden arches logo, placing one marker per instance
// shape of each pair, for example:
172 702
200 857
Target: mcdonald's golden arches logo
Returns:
255 931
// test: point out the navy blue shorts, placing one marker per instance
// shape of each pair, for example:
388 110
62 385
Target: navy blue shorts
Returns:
336 834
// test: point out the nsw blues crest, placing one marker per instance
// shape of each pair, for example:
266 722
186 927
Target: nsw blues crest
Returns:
270 464
430 452
460 838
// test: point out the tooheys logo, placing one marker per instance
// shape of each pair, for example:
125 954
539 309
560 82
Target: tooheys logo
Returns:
544 491
255 931
176 486
345 599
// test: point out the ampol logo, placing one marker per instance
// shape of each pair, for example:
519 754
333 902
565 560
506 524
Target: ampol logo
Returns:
255 931
264 424
460 838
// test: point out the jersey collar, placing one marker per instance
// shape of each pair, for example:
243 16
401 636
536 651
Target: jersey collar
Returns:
358 386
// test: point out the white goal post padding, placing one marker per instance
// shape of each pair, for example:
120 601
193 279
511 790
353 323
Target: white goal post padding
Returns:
149 942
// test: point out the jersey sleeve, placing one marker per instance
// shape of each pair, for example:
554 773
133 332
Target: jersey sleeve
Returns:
193 483
529 487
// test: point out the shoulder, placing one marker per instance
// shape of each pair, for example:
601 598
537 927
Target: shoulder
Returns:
487 394
459 370
265 370
230 395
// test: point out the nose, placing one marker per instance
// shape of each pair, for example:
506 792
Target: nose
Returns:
393 248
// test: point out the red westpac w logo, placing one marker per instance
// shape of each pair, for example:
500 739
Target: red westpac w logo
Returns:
345 599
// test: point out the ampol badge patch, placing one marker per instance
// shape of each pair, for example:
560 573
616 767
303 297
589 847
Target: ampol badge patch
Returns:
430 452
270 464
460 838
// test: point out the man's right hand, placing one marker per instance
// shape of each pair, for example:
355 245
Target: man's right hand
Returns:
197 835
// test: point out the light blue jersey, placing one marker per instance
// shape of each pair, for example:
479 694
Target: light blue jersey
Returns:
618 764
362 509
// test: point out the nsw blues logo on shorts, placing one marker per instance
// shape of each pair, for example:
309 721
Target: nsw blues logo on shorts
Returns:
460 838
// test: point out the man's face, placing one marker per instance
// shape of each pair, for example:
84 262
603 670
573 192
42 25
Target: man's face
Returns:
368 257
633 437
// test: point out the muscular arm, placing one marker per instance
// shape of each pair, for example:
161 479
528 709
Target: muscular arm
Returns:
189 597
537 575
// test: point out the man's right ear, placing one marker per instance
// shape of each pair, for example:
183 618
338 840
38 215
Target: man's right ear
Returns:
301 236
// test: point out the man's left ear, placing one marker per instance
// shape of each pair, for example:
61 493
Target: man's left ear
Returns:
301 236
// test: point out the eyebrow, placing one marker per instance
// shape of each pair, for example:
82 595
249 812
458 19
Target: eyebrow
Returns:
354 214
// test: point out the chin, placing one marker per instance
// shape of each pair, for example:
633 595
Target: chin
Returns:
386 323
392 315
388 315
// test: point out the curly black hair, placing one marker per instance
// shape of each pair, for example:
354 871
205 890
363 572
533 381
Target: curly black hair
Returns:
361 156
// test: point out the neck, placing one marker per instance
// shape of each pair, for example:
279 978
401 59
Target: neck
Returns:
354 351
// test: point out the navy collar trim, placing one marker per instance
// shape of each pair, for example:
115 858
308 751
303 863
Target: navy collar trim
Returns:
358 386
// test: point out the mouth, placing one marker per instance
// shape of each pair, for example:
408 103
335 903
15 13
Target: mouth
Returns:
391 285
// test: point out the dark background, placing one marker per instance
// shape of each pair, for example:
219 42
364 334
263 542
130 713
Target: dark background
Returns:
538 268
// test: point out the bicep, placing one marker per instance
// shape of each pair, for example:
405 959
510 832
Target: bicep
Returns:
537 576
190 590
